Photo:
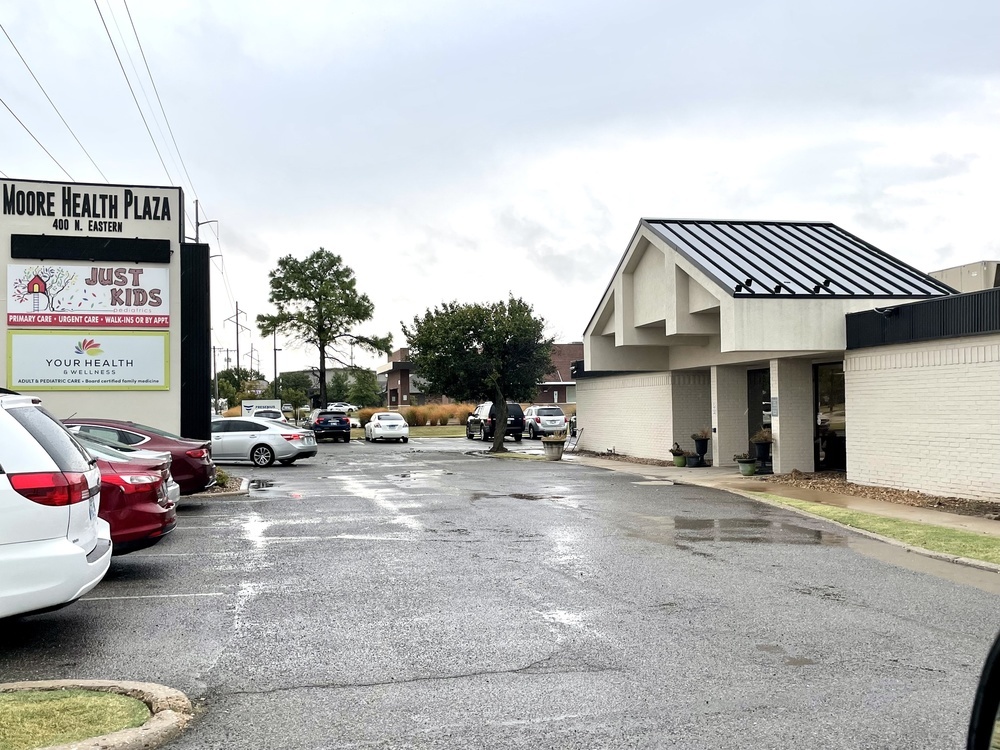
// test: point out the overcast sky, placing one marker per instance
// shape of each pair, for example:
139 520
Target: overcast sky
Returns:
464 150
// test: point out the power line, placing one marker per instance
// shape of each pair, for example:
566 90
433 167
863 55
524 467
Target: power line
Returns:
3 174
159 101
132 91
36 140
52 103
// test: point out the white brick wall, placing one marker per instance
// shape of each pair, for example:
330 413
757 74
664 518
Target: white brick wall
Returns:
642 415
793 427
926 416
729 391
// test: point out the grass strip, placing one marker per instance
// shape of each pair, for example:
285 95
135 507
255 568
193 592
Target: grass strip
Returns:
39 718
928 536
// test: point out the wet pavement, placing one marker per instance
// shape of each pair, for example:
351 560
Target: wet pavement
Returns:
421 595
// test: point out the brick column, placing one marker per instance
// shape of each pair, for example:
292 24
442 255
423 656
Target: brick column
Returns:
729 413
792 423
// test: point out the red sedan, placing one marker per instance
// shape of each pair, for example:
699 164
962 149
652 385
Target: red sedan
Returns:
134 502
192 467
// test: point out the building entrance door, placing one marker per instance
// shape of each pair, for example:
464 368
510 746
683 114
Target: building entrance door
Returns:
758 400
831 417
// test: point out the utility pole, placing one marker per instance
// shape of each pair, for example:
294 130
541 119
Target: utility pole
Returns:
236 319
197 224
215 378
276 350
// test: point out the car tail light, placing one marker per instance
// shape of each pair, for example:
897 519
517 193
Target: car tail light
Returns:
132 483
53 488
290 437
538 420
198 453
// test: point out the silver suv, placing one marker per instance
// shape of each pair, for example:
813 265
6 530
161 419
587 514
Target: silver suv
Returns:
53 547
544 420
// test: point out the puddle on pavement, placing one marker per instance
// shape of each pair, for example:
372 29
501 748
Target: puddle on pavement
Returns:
416 475
682 532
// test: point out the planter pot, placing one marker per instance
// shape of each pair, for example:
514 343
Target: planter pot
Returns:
763 451
553 449
680 461
693 461
701 446
748 468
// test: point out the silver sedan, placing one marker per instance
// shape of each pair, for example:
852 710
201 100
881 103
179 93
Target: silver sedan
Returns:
260 441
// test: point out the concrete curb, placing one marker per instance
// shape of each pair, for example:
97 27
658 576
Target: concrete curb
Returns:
944 556
171 712
638 470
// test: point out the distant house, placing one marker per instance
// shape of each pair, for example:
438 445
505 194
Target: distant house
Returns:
403 386
558 386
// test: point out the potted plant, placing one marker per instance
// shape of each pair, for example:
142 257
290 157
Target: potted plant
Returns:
762 444
701 439
693 459
748 464
553 445
678 453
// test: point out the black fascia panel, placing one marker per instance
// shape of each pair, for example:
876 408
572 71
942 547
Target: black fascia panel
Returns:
102 249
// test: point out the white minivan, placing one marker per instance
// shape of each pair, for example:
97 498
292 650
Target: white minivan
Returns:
53 547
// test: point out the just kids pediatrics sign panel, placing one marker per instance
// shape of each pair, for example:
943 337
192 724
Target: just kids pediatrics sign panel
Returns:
89 306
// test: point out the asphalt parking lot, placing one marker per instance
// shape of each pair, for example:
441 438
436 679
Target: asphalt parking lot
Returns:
421 595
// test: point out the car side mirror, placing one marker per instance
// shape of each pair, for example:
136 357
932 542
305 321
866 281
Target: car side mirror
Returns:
983 725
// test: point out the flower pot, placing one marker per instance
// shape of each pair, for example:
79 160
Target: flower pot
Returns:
680 461
763 451
701 446
553 448
748 467
693 461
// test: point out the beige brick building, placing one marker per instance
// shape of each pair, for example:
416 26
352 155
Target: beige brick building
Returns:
738 326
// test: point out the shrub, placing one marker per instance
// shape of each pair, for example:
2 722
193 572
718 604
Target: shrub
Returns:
462 412
414 416
365 415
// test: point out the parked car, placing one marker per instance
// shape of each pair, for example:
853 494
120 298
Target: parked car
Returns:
341 406
274 414
126 452
54 547
260 441
387 425
192 466
134 499
482 422
544 420
328 425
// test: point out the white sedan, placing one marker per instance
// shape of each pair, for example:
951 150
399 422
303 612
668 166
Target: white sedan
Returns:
260 441
387 425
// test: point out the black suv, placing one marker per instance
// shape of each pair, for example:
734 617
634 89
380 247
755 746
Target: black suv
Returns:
482 421
329 425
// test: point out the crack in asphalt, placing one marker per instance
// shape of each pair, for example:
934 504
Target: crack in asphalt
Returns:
536 667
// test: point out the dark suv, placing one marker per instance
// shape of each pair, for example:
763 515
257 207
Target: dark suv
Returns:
329 425
482 421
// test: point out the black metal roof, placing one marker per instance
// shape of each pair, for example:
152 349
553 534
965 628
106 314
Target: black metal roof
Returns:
792 259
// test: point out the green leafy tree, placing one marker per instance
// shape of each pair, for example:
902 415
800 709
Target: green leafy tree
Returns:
236 378
337 386
365 390
475 352
294 388
318 305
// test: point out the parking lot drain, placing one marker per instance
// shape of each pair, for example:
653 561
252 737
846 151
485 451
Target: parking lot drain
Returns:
261 484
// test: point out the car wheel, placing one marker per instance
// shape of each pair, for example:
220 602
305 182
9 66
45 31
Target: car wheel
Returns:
482 434
406 440
262 455
532 435
517 438
468 433
287 461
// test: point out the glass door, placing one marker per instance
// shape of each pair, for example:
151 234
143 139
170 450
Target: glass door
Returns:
831 417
